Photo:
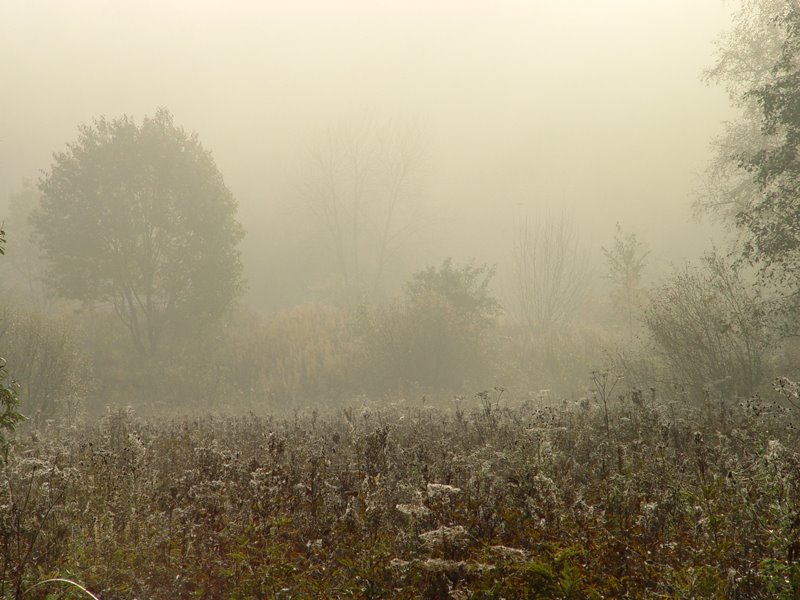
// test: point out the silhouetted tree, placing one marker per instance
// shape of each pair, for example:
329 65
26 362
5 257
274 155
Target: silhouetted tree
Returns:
438 337
139 217
626 260
550 272
360 185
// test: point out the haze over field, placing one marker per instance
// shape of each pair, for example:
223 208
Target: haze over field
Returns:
593 105
400 299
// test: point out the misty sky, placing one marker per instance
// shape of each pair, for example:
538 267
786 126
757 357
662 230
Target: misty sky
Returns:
597 104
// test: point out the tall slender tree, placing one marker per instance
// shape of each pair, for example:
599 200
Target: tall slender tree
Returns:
626 260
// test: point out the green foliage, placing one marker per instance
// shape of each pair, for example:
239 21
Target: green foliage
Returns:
9 399
781 578
139 217
464 288
760 68
745 55
9 405
770 218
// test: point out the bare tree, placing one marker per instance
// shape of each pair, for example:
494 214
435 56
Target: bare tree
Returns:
550 272
361 184
625 261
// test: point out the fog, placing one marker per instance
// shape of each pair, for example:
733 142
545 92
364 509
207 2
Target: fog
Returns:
445 299
596 105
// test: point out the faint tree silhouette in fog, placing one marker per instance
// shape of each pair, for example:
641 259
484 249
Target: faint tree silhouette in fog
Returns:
360 184
626 260
439 337
550 272
139 217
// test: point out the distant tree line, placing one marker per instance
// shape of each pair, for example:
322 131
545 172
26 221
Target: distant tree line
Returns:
132 235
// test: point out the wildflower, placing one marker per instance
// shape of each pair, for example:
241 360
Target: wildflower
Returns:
440 565
441 490
508 553
455 536
774 450
413 510
397 563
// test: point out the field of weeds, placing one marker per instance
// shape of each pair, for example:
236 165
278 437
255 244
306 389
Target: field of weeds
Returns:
649 499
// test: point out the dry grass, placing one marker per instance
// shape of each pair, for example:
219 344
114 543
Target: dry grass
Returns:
670 501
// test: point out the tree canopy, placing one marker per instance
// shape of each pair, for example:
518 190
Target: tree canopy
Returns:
436 338
138 217
771 218
754 180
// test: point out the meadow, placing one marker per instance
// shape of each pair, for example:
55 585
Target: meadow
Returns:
639 495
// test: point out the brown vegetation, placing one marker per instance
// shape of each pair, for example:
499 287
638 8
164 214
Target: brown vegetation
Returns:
409 502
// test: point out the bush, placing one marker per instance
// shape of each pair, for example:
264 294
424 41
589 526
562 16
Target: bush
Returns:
438 338
9 402
709 328
45 359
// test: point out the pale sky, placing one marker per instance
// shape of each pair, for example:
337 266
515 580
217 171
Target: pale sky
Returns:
597 104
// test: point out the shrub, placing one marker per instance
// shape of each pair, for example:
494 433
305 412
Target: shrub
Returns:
709 328
9 403
438 337
45 359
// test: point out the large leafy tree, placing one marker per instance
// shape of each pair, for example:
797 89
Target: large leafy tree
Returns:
771 218
138 217
755 181
745 58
